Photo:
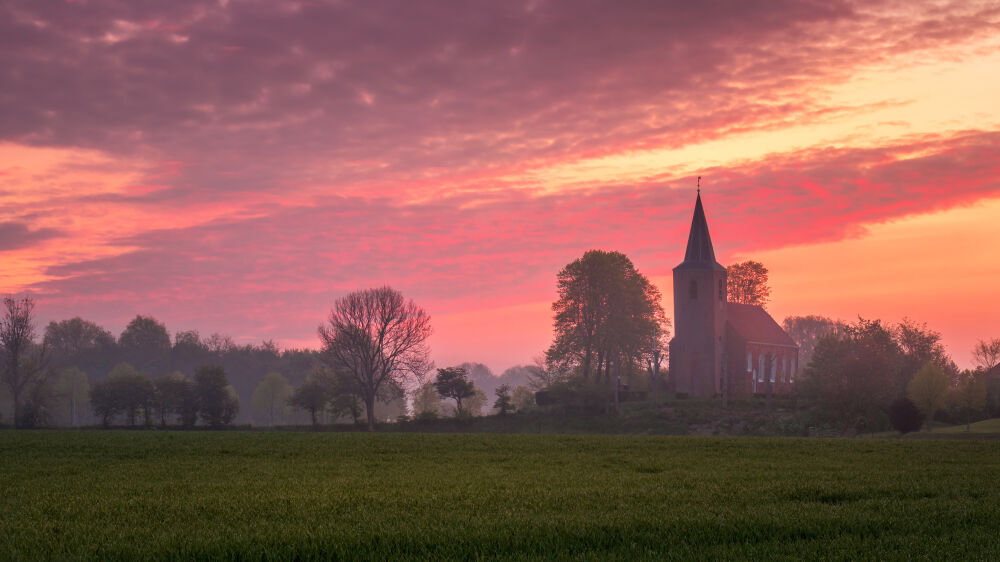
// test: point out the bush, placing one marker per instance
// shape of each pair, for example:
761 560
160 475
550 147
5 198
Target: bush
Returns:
905 416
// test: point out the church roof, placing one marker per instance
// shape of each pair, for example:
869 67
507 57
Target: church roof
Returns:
754 324
700 254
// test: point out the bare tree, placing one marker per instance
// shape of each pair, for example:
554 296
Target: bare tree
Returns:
987 354
377 336
17 334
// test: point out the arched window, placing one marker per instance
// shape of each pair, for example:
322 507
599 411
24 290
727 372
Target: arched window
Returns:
760 368
693 289
791 375
749 361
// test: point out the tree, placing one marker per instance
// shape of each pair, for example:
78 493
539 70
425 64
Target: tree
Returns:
217 402
970 394
504 402
928 389
271 397
125 391
523 398
145 343
71 389
747 283
853 372
454 383
905 416
807 331
426 402
175 397
68 340
22 364
921 345
986 354
474 404
313 396
376 336
607 314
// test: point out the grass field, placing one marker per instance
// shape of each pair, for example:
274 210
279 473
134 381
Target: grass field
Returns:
281 496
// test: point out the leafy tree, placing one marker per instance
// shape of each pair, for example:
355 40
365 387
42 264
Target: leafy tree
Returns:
921 345
426 402
175 397
126 392
454 383
504 402
905 416
928 389
216 399
271 397
607 313
970 394
474 404
71 340
71 389
747 283
145 343
807 331
377 337
347 398
22 363
522 397
853 372
312 396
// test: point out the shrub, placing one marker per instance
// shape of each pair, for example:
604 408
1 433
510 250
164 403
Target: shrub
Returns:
905 416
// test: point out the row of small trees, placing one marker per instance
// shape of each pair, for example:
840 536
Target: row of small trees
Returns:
171 399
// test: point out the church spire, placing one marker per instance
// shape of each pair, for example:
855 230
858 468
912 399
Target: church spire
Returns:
699 247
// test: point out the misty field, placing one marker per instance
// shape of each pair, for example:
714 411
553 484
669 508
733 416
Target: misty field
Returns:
282 496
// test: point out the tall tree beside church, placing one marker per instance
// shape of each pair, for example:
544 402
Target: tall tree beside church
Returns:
607 312
747 283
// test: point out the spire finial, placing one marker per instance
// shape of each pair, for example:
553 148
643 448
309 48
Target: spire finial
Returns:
699 185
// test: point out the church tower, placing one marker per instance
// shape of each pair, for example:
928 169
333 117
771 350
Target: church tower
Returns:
699 315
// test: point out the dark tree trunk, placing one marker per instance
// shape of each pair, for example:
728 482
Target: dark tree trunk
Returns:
370 407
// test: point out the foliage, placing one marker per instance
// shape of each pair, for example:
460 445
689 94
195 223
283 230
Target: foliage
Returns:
474 404
176 399
426 401
312 396
607 313
145 343
970 393
377 337
270 398
853 373
126 392
71 390
905 416
522 398
928 389
746 283
76 339
807 331
217 401
323 496
504 403
454 383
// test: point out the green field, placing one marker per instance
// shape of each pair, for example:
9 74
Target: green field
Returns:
283 496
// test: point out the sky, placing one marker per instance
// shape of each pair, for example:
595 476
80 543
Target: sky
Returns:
236 166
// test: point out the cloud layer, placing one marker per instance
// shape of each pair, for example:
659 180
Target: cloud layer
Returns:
268 156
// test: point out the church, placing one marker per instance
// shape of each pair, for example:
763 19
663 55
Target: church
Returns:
720 347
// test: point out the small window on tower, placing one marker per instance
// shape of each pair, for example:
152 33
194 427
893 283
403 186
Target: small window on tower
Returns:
694 289
722 290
